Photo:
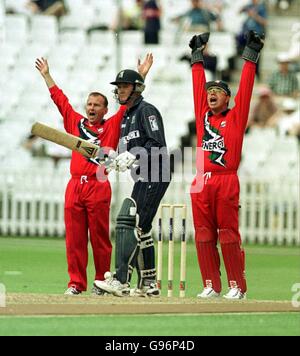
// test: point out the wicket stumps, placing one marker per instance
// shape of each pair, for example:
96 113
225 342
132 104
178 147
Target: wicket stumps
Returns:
171 208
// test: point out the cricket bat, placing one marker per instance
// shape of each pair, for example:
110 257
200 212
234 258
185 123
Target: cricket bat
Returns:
74 143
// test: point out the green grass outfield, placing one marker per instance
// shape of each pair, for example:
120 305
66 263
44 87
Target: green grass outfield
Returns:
39 266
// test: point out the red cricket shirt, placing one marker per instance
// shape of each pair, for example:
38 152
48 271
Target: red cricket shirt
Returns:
220 137
105 134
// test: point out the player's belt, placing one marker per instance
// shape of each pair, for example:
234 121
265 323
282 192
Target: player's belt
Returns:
220 173
84 178
208 175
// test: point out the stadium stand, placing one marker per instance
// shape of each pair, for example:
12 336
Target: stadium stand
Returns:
83 61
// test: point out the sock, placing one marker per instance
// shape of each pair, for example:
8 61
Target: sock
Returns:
209 262
234 261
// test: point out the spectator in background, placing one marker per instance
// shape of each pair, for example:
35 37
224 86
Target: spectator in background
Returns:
130 17
215 6
294 50
151 15
295 131
35 145
284 82
41 149
47 7
199 18
263 110
287 118
256 20
283 4
16 7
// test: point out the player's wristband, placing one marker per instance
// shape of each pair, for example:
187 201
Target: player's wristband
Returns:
197 56
250 54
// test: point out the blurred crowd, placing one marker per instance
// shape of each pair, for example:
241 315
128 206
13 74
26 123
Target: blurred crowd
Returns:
31 7
278 101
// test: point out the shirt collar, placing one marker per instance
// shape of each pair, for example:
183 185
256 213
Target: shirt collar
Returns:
100 123
136 103
223 113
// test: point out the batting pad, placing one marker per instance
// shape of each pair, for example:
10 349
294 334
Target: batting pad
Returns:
127 240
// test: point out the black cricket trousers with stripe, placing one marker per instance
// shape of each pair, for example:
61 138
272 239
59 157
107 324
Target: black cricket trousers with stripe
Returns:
148 196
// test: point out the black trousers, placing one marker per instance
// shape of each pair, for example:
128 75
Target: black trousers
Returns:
151 37
148 196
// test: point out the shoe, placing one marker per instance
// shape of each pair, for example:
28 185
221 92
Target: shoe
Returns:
234 293
97 291
72 291
137 292
207 293
150 291
112 286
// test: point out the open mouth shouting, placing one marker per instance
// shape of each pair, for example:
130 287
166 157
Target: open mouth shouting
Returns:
213 100
92 116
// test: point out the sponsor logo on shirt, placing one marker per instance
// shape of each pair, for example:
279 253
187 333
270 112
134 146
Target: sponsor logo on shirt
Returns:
213 142
153 123
131 136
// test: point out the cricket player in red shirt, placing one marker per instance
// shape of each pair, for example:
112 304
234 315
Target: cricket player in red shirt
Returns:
220 133
87 199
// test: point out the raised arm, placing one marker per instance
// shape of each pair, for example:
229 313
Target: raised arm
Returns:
69 115
251 54
258 17
197 44
144 67
41 64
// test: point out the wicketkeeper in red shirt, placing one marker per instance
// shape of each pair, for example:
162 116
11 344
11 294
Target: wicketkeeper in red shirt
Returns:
87 198
215 202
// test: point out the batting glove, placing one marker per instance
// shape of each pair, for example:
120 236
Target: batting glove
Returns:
110 161
124 161
105 158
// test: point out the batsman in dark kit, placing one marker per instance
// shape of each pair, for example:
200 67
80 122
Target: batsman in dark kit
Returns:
142 149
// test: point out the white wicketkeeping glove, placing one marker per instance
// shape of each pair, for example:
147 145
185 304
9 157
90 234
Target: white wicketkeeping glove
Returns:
124 161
